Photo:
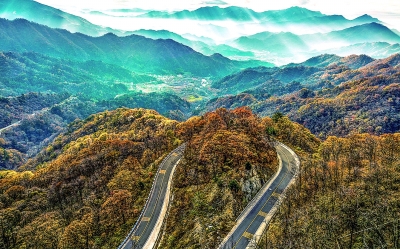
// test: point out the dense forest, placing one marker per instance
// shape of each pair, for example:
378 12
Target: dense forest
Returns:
89 185
228 158
329 95
208 197
86 189
33 72
347 196
39 118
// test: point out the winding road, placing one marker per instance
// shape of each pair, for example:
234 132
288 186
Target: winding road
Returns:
146 231
19 122
10 126
253 221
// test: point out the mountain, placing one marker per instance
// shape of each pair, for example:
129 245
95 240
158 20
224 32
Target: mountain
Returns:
254 77
318 61
290 14
236 14
396 31
329 95
366 19
162 34
326 22
39 118
280 43
204 39
372 39
286 18
314 73
92 181
87 188
245 78
285 42
374 49
133 52
356 61
392 61
242 161
98 172
49 16
325 60
33 72
208 13
371 32
199 46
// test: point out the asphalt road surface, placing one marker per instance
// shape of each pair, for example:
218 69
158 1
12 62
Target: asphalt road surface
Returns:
244 232
153 209
19 122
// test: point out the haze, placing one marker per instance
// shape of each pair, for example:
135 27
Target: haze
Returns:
386 10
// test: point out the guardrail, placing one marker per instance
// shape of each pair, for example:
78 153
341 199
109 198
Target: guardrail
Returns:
159 236
295 172
261 191
253 243
132 231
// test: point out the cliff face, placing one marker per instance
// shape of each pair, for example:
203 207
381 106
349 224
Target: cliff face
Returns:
252 183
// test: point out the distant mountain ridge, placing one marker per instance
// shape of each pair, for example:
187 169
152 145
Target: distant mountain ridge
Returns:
245 14
293 16
329 94
308 72
371 32
199 46
133 52
49 16
375 49
373 39
289 34
33 72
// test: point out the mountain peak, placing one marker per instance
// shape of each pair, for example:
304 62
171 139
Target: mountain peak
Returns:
393 60
356 61
109 35
321 60
373 32
217 56
374 24
296 10
367 18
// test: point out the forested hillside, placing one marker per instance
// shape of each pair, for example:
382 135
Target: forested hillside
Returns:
32 72
37 118
347 196
86 189
133 52
89 185
228 158
329 95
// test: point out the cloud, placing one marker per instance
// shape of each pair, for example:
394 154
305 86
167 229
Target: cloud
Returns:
214 2
304 2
